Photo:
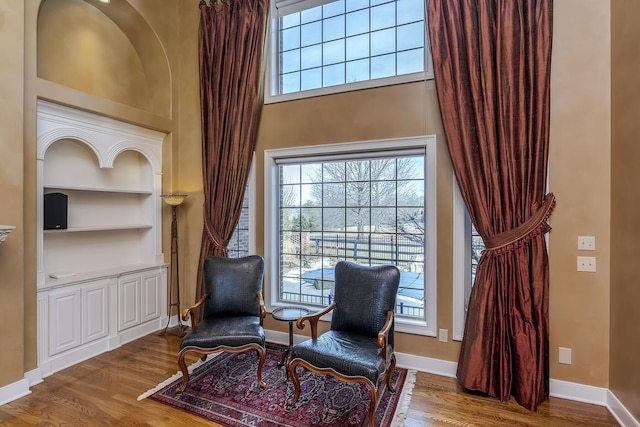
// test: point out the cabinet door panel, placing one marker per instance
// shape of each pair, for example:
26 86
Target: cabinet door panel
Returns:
64 320
95 318
128 302
150 296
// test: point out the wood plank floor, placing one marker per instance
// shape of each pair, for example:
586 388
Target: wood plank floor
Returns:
103 391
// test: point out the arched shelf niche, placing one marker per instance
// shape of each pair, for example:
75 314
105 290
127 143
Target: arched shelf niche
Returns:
107 50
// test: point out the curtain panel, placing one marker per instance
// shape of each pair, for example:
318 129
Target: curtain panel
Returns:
491 61
231 51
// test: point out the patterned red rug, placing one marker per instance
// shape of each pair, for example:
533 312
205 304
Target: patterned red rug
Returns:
224 389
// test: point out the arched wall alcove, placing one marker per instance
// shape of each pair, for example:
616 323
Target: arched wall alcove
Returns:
106 50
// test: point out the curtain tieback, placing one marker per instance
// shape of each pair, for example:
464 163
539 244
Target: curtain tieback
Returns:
213 237
536 224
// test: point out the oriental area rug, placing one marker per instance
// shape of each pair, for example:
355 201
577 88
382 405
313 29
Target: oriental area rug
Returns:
224 389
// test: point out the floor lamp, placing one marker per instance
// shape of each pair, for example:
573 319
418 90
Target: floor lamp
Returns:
174 200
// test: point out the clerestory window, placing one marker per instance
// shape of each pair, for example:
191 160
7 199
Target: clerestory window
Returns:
319 47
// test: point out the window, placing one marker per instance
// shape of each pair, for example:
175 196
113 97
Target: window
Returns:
323 46
241 243
468 246
360 202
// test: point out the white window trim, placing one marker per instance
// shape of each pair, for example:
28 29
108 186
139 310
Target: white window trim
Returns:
428 142
271 80
461 261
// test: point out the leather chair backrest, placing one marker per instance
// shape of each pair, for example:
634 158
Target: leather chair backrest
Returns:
363 296
232 285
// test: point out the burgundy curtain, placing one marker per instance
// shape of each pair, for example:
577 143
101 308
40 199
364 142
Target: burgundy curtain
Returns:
231 50
491 60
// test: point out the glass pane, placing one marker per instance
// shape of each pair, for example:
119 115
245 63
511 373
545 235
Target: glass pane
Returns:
290 174
290 20
333 219
358 22
410 11
333 28
333 75
383 193
311 219
411 61
383 41
358 219
311 79
357 71
333 8
358 194
333 194
333 52
411 36
311 194
411 223
383 169
311 33
411 168
290 219
290 82
290 38
290 195
383 66
352 5
291 61
333 171
311 172
411 193
383 16
357 48
311 56
309 15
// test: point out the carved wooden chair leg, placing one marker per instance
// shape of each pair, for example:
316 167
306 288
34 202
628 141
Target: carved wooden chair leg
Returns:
372 404
262 355
392 368
291 369
185 371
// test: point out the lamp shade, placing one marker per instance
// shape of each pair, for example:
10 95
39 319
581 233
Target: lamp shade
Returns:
173 199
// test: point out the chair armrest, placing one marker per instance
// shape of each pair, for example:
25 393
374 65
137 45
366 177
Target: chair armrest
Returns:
383 335
313 320
191 311
263 311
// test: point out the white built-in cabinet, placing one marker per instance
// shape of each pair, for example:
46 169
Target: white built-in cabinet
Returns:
101 281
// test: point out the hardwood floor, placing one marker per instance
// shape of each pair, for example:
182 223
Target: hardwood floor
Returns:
102 392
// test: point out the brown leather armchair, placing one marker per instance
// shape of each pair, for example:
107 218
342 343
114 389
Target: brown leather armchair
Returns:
232 312
359 345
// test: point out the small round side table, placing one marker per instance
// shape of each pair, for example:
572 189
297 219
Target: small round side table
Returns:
288 314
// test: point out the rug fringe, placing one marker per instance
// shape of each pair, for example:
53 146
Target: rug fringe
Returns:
175 376
405 399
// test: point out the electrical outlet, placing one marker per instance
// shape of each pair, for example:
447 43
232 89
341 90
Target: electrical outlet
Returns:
564 355
587 263
586 243
443 335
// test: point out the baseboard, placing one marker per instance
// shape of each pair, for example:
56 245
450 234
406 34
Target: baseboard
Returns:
14 391
578 392
619 412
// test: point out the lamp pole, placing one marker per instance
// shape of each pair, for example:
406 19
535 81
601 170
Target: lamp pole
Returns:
174 200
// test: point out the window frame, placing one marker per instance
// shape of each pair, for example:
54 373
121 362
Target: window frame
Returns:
271 88
424 326
462 281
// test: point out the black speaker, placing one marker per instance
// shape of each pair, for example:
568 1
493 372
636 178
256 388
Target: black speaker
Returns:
55 211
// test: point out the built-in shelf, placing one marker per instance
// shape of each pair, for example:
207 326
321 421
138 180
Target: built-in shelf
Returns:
97 190
101 281
99 228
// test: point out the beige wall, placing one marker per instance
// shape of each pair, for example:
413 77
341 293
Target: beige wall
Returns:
12 261
579 176
579 162
624 371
